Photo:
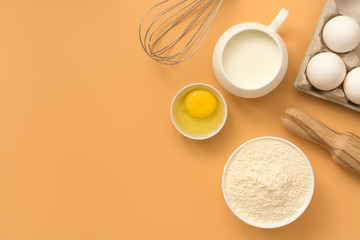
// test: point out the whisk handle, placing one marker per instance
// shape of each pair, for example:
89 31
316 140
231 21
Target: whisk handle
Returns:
279 20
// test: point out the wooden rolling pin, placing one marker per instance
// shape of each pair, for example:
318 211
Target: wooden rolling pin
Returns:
343 147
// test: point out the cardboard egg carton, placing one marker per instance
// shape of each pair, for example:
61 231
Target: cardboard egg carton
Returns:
331 9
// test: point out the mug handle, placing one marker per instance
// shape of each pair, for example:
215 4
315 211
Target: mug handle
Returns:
279 20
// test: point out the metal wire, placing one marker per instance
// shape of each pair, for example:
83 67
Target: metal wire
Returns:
196 15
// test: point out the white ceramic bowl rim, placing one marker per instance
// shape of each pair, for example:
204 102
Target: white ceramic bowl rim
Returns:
204 86
252 26
286 221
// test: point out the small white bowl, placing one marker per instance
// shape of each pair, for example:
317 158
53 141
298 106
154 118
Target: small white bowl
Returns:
286 221
194 86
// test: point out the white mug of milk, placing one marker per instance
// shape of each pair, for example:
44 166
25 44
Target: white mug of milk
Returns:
250 59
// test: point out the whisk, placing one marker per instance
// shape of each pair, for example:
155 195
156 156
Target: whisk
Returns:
176 31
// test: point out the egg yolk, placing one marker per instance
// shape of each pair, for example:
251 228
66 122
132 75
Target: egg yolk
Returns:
200 103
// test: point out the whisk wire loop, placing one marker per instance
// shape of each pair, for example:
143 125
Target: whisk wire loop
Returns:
171 18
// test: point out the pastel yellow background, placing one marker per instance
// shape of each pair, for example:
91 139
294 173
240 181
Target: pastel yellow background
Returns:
87 147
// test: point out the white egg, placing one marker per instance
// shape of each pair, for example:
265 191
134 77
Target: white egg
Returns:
326 71
352 85
341 34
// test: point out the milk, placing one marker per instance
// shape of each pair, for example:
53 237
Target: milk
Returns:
251 59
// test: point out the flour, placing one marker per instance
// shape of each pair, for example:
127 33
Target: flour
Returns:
267 181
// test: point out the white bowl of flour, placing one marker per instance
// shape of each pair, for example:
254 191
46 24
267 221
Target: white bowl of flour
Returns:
268 182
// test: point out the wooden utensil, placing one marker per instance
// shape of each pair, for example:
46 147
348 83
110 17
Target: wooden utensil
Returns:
343 147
